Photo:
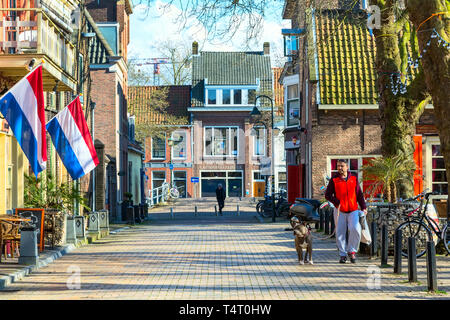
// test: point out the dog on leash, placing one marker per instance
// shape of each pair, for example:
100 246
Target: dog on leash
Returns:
303 240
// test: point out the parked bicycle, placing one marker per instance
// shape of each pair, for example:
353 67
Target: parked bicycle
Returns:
420 226
170 191
264 207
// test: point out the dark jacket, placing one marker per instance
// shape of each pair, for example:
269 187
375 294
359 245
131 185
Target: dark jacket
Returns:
220 194
348 193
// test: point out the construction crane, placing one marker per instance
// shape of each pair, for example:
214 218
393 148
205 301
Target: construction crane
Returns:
155 62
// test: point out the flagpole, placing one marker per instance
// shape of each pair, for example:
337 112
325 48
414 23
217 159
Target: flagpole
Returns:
92 105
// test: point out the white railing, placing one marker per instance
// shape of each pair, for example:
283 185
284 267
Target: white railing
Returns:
162 194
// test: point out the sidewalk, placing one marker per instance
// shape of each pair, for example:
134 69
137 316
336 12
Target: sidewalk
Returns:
11 271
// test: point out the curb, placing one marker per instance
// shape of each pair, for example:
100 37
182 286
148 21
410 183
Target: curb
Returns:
20 274
6 280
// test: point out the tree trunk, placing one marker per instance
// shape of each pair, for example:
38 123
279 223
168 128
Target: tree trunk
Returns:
399 111
436 62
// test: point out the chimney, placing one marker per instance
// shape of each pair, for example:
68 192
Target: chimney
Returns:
266 48
195 48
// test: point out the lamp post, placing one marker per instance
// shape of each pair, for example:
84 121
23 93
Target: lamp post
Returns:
170 142
256 112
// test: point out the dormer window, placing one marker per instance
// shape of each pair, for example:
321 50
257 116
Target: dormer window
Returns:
226 96
237 96
212 96
230 96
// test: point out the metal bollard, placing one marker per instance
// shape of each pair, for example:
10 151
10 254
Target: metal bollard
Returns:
195 211
321 220
373 245
398 251
384 244
412 260
327 222
171 213
431 267
238 210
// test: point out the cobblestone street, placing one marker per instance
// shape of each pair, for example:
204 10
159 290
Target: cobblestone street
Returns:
209 257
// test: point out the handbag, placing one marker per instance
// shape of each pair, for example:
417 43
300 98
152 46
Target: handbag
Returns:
365 232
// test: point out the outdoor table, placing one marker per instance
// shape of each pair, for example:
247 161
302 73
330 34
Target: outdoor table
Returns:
12 234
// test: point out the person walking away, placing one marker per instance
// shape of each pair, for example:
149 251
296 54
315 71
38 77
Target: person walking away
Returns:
220 195
345 193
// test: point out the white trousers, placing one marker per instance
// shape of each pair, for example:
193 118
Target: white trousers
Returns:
348 221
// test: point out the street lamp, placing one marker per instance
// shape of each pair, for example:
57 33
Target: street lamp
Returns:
255 113
170 142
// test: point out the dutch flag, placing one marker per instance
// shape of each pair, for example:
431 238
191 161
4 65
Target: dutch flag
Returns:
72 140
23 108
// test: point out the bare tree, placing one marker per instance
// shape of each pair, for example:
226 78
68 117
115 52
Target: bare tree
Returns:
178 70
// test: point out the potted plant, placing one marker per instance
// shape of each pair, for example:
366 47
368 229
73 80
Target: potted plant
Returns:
57 200
386 173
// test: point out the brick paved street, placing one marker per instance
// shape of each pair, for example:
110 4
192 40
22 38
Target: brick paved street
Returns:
209 257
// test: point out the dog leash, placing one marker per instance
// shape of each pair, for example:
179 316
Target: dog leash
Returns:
331 235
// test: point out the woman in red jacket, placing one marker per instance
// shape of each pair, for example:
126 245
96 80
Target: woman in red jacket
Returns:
345 193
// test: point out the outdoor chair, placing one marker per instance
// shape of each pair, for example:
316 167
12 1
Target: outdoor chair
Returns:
9 233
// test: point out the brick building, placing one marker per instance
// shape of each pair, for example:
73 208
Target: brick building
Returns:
164 163
228 147
330 90
108 74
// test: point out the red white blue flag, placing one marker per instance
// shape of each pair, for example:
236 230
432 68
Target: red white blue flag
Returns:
23 108
72 140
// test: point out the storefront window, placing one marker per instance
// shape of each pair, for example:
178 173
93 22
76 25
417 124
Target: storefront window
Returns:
158 178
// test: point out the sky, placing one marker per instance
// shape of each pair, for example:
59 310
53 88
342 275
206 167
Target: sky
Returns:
158 25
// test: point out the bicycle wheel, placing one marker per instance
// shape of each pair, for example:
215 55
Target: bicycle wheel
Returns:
174 193
266 210
417 230
446 237
258 207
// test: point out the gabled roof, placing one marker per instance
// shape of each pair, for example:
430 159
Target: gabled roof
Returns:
139 100
345 59
229 68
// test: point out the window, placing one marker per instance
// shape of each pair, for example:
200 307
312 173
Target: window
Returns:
293 105
438 174
352 163
237 96
221 141
179 179
179 145
259 141
158 178
257 176
158 148
212 96
282 181
226 96
251 96
131 128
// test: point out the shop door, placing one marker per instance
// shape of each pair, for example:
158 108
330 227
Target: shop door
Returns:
235 187
258 189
